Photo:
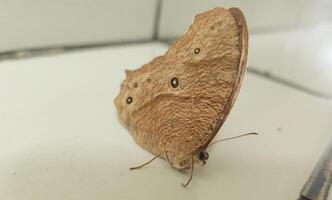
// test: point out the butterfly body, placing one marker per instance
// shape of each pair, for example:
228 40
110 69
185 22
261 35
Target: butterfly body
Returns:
174 105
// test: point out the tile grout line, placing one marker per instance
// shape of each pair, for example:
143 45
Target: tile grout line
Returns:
49 50
287 83
157 19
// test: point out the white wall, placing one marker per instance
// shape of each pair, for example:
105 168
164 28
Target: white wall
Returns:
261 15
43 23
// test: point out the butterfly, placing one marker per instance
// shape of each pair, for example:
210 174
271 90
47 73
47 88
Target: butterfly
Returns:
174 105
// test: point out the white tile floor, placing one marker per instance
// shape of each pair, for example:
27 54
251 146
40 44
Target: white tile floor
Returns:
60 138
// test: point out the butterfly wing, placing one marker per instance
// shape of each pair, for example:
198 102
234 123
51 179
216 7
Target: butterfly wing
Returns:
216 48
240 69
209 63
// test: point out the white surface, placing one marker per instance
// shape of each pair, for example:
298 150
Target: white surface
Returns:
60 138
261 15
40 23
303 57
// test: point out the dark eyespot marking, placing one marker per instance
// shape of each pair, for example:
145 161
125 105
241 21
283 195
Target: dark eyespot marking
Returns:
148 80
220 22
129 100
174 82
197 50
212 27
135 84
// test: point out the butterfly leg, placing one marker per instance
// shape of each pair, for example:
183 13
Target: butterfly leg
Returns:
167 158
191 173
142 165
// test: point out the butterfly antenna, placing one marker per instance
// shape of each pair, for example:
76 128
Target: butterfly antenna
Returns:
230 138
142 165
191 173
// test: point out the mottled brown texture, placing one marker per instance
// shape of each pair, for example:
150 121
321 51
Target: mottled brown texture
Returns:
209 62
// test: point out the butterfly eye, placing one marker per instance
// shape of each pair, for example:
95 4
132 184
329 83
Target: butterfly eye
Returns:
202 155
206 155
174 82
197 50
129 100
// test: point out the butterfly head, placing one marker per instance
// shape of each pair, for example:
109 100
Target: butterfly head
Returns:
201 156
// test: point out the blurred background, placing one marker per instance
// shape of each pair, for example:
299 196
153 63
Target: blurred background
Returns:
297 32
61 65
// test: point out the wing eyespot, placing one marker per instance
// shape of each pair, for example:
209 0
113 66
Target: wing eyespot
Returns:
129 100
174 82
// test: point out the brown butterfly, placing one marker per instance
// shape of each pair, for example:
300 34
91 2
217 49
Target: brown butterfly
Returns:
175 105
